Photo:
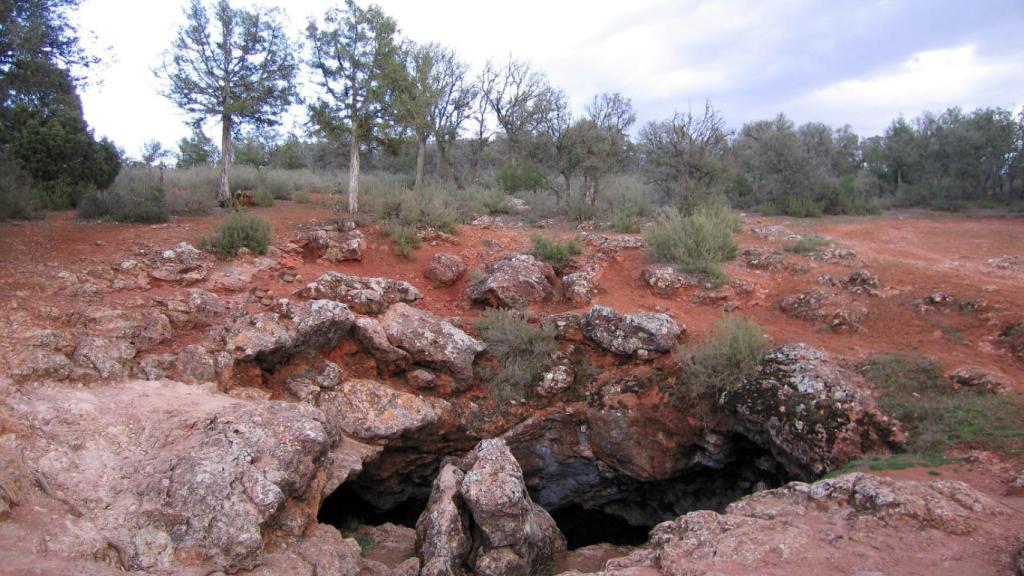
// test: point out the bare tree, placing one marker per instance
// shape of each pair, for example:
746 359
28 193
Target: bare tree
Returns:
238 66
685 154
603 139
479 114
357 63
520 98
453 106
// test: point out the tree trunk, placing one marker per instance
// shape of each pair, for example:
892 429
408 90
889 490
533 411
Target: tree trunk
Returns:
421 159
592 192
567 189
447 170
353 175
224 193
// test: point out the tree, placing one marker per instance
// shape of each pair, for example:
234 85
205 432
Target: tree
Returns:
196 150
42 129
520 98
153 153
356 62
417 97
684 156
604 139
453 107
236 65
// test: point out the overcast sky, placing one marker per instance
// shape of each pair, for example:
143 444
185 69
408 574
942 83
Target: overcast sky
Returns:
842 62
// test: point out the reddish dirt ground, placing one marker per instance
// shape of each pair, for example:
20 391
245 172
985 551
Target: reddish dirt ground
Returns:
912 253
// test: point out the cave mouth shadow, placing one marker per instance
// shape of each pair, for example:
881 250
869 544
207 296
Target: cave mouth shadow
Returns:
584 527
346 509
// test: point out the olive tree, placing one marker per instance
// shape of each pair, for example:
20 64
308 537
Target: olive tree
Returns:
356 61
233 64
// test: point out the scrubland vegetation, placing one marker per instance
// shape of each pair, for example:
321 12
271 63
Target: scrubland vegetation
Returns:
462 140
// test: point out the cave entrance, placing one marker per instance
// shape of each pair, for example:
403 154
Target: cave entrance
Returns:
582 527
346 509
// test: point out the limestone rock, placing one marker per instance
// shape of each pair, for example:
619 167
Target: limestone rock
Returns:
432 341
629 334
445 269
514 282
363 295
480 512
371 335
813 415
666 281
270 338
371 411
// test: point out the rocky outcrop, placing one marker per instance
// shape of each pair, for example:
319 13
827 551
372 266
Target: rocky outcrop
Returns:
821 305
580 287
854 524
371 411
432 341
389 358
445 269
162 477
271 338
182 264
666 281
813 415
630 333
332 244
514 282
481 515
363 295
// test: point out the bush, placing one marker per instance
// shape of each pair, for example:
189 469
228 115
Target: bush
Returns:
731 354
190 202
263 198
912 389
519 176
404 236
807 245
795 205
698 242
242 229
625 219
554 252
135 196
301 197
17 200
522 352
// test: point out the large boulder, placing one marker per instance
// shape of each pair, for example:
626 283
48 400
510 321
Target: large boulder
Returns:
482 505
371 335
333 245
630 333
363 295
812 414
162 477
271 338
371 411
432 341
514 282
445 269
853 524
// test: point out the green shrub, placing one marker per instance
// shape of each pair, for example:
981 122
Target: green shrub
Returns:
301 197
17 199
625 219
522 352
405 237
730 354
135 196
807 245
697 242
555 252
520 175
912 389
243 178
262 198
795 205
242 229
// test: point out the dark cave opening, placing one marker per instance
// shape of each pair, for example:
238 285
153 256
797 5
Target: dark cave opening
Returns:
346 508
583 527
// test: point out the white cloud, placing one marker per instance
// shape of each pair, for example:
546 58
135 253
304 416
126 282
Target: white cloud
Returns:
929 80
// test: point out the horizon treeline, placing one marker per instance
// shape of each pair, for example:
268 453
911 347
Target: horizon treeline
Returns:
385 103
